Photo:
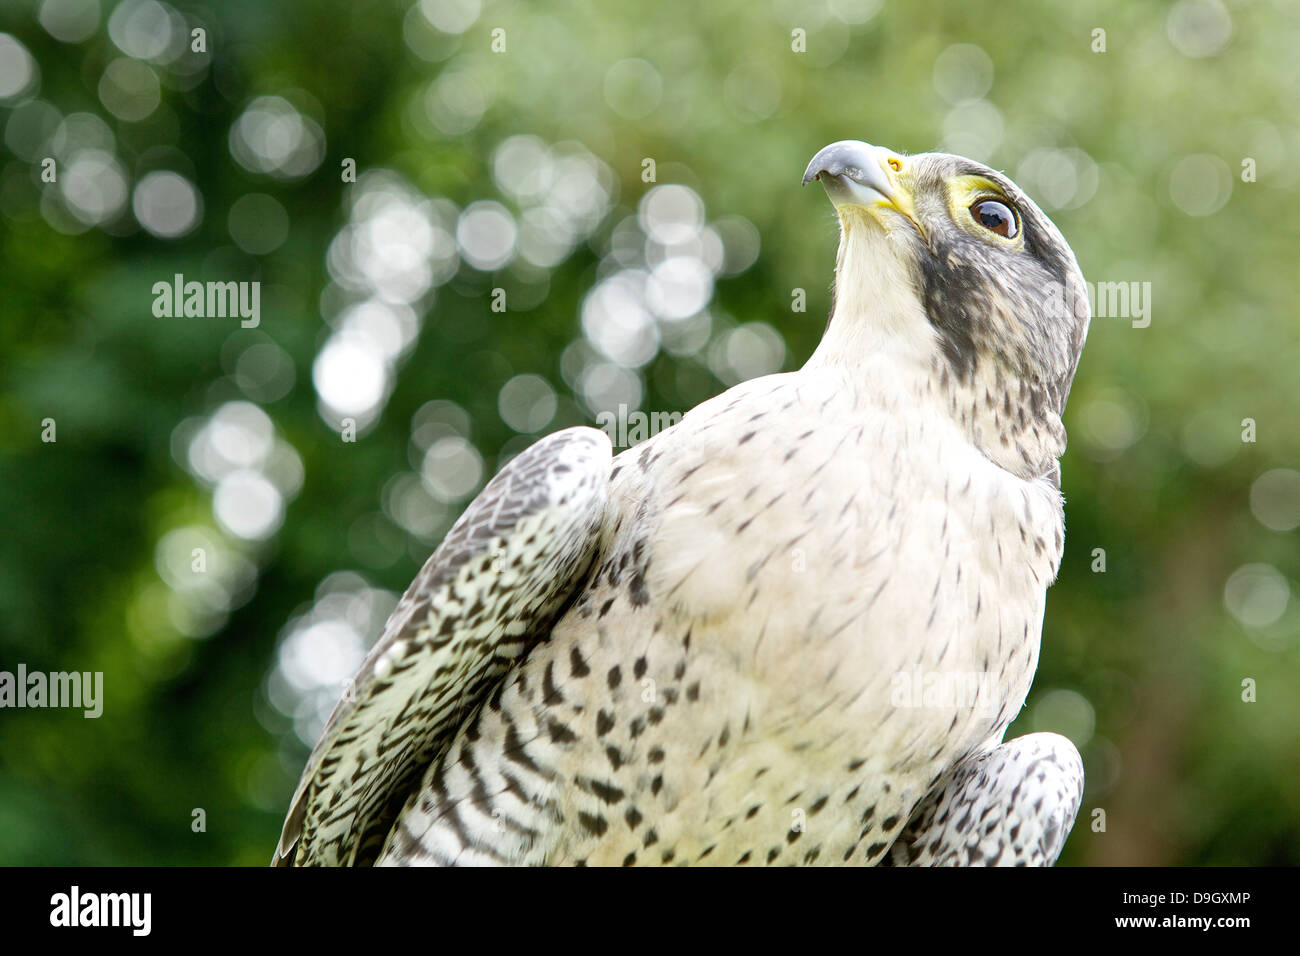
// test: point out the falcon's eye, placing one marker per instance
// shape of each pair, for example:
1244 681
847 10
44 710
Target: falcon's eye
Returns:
995 215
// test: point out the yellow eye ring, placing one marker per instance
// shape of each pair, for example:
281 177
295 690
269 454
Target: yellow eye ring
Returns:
894 164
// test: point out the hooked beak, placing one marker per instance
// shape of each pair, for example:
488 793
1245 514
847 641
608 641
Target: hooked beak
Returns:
857 174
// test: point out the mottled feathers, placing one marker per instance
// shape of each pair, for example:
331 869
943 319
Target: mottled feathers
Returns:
486 594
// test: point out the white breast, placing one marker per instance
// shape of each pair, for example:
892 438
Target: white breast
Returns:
839 543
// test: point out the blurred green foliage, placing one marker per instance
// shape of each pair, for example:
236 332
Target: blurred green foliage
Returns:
1143 664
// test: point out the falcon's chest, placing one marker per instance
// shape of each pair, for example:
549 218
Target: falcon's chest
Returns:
841 548
869 525
807 603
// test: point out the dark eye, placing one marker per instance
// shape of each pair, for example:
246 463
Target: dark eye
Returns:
997 216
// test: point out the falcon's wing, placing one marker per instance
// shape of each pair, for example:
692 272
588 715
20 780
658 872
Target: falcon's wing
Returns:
1010 805
488 592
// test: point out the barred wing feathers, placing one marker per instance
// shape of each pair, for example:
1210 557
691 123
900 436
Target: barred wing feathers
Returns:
491 590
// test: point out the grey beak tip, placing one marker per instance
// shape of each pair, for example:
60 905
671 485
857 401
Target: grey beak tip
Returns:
829 159
850 160
815 168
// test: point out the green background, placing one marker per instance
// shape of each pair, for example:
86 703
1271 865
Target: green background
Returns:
1136 152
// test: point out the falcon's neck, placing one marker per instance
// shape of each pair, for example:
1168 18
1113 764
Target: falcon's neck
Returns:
880 337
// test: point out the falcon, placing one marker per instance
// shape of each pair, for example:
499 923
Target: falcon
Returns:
790 629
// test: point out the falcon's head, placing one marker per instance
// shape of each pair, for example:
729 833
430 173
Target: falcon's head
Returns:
945 261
